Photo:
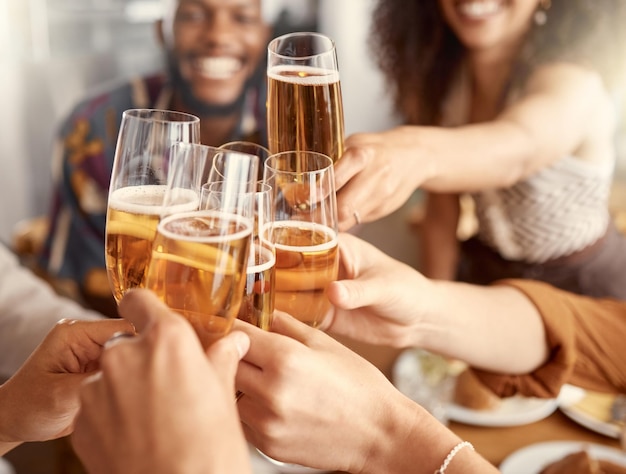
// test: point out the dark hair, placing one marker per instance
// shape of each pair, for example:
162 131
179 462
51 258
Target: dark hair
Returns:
419 54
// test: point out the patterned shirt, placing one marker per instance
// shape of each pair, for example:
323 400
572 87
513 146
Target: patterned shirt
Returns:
82 164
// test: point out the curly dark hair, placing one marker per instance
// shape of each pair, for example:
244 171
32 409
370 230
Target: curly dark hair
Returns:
419 54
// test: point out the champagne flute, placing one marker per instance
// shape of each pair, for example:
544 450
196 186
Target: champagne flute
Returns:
199 257
304 232
138 182
257 306
250 148
304 106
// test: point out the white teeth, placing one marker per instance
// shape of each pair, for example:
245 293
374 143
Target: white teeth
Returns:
218 68
479 9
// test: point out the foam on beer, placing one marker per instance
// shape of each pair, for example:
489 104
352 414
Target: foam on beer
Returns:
313 226
304 75
268 258
147 199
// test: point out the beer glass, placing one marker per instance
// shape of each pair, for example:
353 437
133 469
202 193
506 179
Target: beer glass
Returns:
304 106
304 232
138 182
199 257
250 148
257 306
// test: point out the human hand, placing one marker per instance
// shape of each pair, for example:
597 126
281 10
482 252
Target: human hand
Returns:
310 400
39 402
375 299
377 174
161 404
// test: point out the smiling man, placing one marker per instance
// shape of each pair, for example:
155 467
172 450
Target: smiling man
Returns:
215 54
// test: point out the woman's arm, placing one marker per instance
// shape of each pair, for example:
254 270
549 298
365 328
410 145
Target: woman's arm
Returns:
382 301
563 109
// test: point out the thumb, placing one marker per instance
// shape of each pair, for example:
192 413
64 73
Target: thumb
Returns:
351 294
225 354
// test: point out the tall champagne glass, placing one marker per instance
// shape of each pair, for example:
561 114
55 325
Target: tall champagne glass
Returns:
199 257
304 232
138 182
257 306
304 106
250 148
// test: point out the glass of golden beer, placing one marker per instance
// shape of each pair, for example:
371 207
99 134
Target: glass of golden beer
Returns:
198 268
304 106
304 232
199 256
138 182
257 306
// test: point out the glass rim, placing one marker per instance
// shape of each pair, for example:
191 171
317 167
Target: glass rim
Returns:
148 116
225 146
222 215
272 44
317 154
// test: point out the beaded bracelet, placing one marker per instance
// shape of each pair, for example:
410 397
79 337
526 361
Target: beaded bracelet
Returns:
451 454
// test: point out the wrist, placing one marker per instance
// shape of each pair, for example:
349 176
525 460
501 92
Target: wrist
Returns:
409 439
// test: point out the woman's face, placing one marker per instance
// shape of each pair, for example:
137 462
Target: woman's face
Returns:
483 25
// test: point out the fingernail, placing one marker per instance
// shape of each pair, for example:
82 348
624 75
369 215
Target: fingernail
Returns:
242 343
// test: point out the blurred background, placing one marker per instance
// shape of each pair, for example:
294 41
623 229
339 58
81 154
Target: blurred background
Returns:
52 52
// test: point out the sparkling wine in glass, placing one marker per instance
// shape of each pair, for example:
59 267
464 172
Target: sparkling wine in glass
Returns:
304 232
199 257
138 182
304 106
257 306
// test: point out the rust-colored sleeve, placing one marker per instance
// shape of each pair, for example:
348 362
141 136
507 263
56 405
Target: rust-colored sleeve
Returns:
587 341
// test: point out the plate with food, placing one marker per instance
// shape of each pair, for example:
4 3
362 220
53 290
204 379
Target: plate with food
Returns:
475 404
565 457
599 412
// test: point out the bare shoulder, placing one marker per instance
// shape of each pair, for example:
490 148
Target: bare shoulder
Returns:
567 78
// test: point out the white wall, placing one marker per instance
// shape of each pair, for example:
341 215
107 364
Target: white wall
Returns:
366 105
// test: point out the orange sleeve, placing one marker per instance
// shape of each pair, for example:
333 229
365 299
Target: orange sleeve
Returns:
587 341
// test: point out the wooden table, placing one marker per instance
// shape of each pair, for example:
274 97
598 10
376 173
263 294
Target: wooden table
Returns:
495 444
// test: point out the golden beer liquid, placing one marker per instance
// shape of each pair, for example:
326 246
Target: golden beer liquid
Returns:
198 268
257 306
306 262
305 110
132 218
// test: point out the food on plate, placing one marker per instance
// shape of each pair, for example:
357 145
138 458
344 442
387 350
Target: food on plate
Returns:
580 462
470 392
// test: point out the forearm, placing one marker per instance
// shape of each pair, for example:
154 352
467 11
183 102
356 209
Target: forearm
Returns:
475 157
492 328
6 444
411 440
29 309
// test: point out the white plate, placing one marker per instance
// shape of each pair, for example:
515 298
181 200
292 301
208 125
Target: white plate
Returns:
261 464
511 411
532 459
5 467
569 397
